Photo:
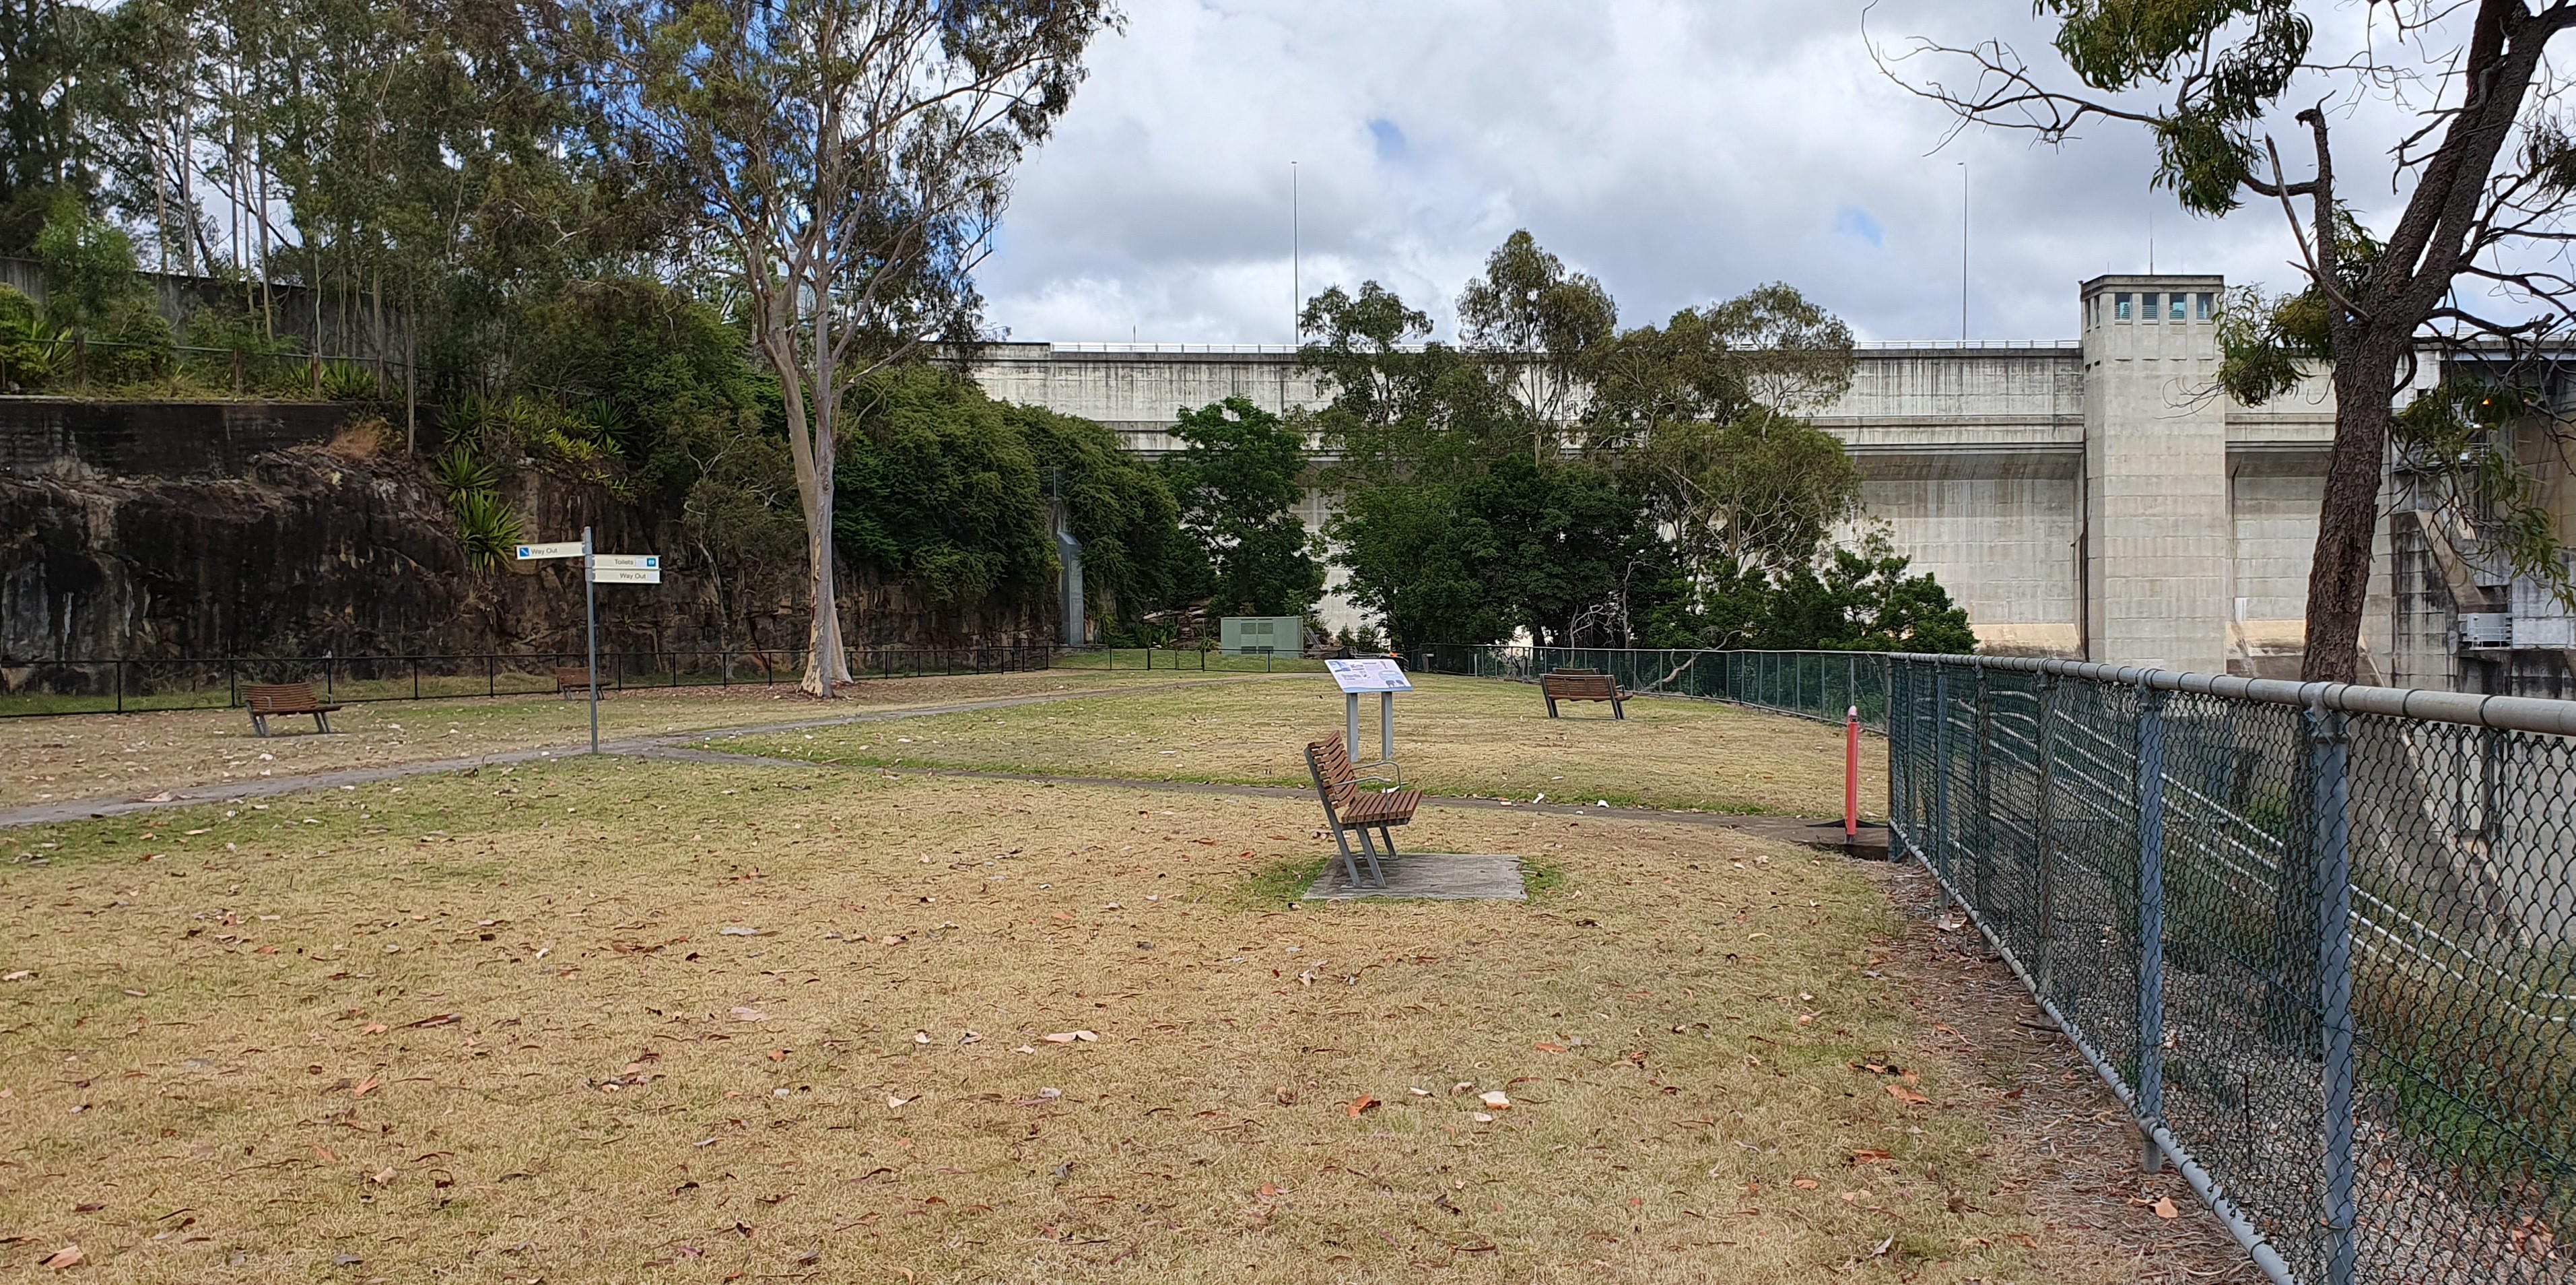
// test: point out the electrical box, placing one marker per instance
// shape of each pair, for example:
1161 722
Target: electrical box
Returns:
1262 635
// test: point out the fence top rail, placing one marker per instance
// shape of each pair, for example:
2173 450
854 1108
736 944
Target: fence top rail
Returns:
2503 713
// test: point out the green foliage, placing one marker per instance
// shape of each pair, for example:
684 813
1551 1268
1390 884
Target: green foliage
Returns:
1555 548
347 381
1135 559
41 148
94 292
650 372
30 350
938 491
1857 601
1237 480
458 472
2230 58
1690 505
485 526
1536 321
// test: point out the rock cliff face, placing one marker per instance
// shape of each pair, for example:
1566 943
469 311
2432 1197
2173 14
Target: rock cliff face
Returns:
278 542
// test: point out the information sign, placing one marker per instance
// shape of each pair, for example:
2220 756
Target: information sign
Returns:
1369 675
605 574
559 549
647 561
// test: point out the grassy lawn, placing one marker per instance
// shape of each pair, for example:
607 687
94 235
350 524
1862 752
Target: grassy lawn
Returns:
1453 736
136 755
624 1020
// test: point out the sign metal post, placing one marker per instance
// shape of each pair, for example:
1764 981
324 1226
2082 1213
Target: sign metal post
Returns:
614 568
590 608
1384 677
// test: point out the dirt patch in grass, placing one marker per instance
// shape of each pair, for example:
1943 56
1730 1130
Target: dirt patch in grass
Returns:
136 755
1459 736
605 1020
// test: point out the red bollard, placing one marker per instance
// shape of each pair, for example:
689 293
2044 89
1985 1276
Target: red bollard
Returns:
1851 775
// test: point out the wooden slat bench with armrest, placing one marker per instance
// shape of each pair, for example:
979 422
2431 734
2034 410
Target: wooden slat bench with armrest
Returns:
1581 685
1350 809
571 681
268 700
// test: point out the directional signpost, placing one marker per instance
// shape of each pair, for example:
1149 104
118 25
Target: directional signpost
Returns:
1384 677
602 568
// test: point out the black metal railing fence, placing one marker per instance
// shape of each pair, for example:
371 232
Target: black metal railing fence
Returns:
109 686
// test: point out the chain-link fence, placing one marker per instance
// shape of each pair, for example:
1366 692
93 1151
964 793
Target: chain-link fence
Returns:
2320 938
1810 684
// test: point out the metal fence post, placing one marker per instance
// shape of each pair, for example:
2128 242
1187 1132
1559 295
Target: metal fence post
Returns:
2329 758
2046 946
1982 768
1939 851
2151 923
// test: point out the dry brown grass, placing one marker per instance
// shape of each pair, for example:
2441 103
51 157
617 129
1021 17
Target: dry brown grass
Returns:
128 756
1453 736
231 1060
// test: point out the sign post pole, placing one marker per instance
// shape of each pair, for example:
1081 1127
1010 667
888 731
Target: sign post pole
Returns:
1381 676
590 608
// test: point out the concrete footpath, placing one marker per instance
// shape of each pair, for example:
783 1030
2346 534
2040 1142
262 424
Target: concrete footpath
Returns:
656 746
688 747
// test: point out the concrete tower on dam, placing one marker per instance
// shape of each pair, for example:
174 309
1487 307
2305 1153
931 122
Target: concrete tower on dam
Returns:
2094 497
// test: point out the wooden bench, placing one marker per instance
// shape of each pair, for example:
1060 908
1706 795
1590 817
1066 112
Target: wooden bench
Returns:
1581 685
571 680
267 700
1349 809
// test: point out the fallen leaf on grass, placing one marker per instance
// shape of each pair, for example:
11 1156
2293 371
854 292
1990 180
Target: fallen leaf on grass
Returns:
19 975
433 1022
777 1055
738 932
1803 1184
62 1258
2025 1240
746 1013
1545 1047
365 1086
1068 1037
1361 1103
1495 1100
1906 1095
374 1028
2164 1208
326 1155
1865 1157
890 939
382 1177
894 1103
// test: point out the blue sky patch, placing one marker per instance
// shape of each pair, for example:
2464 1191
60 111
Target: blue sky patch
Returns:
1856 222
1390 140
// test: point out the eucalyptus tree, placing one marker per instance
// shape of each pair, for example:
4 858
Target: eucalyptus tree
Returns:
1706 415
1534 321
2471 263
850 160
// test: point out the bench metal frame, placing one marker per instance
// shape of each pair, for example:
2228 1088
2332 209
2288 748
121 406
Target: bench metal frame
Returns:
1341 829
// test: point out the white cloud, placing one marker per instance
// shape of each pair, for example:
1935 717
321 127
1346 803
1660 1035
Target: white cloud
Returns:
1681 151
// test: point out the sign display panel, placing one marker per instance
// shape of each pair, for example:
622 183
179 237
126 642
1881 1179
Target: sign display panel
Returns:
1369 675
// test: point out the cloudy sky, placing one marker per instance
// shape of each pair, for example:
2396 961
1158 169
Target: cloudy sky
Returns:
1681 150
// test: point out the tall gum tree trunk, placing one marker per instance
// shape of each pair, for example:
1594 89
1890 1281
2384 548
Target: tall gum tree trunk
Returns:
2347 522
